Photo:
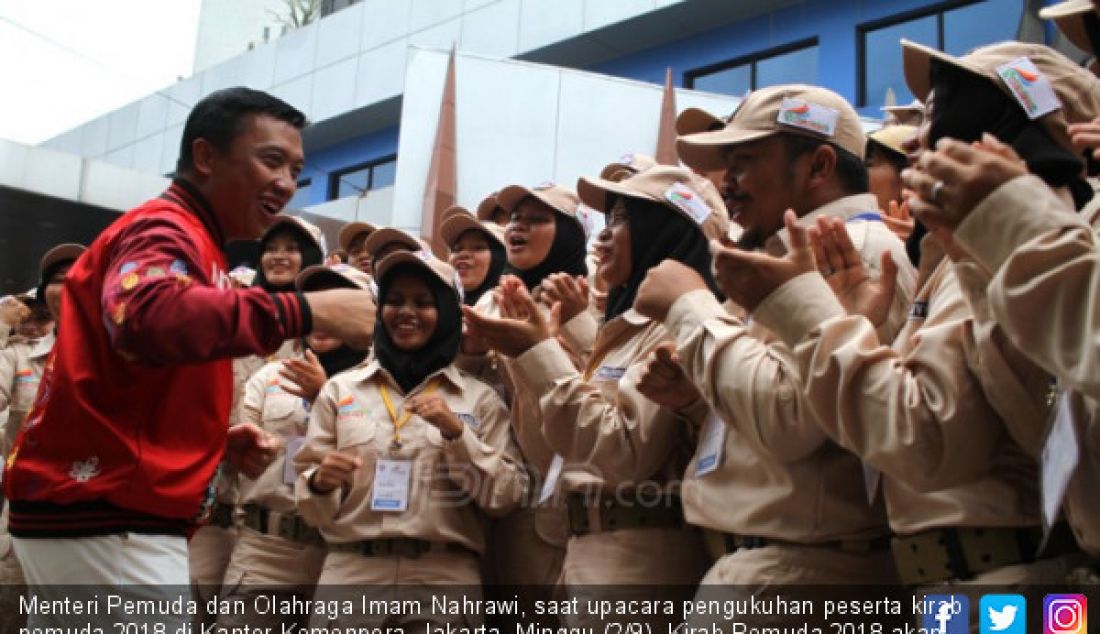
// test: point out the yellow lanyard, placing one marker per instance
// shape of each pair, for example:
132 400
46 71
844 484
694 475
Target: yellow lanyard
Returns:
399 421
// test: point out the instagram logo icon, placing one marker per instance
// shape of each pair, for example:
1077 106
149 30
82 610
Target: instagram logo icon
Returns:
1065 614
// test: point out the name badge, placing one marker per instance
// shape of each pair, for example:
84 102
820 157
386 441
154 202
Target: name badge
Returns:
391 486
553 473
871 479
469 420
919 310
712 446
610 373
1058 462
293 446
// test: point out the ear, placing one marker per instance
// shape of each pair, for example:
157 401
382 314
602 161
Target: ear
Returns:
822 165
203 156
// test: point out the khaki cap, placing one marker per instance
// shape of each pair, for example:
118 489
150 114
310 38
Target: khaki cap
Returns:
456 224
1075 87
696 120
381 237
301 226
349 231
1070 18
809 111
67 252
554 196
676 188
340 274
487 207
628 165
425 260
892 137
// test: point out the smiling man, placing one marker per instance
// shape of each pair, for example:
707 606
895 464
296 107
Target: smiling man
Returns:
113 466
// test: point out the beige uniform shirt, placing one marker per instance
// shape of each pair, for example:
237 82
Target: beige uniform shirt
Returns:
608 434
280 414
21 366
914 410
450 480
780 476
1045 265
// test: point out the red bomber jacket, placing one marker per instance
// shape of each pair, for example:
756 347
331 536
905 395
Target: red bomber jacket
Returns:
129 424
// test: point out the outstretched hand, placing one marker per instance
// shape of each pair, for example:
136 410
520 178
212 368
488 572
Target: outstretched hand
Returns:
843 269
520 326
747 277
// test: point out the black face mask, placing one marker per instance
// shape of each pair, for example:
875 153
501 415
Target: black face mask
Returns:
566 254
411 367
658 233
965 107
311 255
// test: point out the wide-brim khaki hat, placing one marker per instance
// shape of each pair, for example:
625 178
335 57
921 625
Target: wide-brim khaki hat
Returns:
1077 89
341 275
1069 16
676 188
809 111
893 137
456 224
426 261
915 106
386 235
487 207
67 252
628 165
349 231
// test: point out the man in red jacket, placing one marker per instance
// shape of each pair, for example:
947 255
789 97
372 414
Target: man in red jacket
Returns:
113 466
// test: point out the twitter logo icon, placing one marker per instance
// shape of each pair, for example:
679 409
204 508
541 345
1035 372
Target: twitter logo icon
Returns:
1003 614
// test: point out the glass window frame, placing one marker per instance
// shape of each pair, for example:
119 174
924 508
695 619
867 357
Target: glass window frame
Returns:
690 76
938 10
334 177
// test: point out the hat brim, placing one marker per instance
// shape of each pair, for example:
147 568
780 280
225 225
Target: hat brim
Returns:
1069 17
1067 8
388 235
319 276
594 192
917 66
67 252
705 150
386 266
349 231
510 197
696 120
457 224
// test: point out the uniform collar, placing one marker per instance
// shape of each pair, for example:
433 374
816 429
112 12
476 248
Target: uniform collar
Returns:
373 370
185 194
843 208
41 347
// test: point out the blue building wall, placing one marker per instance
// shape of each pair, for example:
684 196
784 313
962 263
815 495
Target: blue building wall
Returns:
832 22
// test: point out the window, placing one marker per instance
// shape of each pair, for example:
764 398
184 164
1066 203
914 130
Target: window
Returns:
792 64
957 27
362 178
301 196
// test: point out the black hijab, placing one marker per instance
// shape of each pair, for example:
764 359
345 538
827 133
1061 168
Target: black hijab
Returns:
311 253
410 367
498 259
965 106
658 233
566 254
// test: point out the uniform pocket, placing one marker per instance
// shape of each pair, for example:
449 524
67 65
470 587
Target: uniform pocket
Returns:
278 407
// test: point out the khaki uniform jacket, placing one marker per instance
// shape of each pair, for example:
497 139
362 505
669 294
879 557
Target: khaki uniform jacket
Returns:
914 410
780 476
450 480
21 365
281 414
608 434
1045 266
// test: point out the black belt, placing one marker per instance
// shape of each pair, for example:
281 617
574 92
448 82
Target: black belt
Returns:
399 547
607 514
964 552
719 543
286 525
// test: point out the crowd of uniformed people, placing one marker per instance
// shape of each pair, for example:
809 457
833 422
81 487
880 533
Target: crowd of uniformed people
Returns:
804 355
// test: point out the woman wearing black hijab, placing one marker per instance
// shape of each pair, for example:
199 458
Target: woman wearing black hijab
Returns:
287 248
406 455
477 252
597 416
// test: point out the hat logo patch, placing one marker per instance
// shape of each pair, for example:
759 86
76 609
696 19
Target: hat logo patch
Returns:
799 113
1031 88
688 201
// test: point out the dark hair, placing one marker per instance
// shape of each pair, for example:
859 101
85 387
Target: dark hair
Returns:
219 118
850 170
895 159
